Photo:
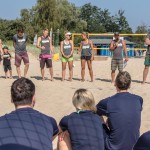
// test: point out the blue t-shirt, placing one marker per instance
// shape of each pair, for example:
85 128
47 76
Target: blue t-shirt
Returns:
124 119
28 127
143 142
85 129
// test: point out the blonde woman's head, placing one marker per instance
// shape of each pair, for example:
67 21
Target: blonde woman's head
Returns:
84 100
67 35
85 35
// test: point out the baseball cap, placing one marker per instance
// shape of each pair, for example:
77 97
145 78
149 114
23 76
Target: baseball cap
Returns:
5 47
68 33
116 33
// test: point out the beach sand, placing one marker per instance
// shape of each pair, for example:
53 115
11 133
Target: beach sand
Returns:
55 98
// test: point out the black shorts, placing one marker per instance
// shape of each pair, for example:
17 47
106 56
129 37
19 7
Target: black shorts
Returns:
47 61
86 57
7 67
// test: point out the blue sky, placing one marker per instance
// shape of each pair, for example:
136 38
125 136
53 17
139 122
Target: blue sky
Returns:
136 11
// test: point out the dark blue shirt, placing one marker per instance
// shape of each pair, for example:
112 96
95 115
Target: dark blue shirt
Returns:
85 129
143 142
124 119
28 127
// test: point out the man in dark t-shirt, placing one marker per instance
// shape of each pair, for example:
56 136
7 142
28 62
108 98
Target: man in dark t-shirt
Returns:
26 126
143 142
123 111
20 42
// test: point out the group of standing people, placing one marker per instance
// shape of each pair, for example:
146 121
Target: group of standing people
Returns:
86 50
44 43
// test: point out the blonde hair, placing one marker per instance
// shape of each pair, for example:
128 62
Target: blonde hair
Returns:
84 100
66 31
86 34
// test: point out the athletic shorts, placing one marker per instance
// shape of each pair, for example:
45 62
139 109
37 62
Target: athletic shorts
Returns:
67 59
117 63
7 67
147 60
47 61
86 57
21 56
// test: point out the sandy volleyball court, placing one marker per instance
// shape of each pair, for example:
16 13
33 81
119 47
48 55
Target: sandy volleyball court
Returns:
54 98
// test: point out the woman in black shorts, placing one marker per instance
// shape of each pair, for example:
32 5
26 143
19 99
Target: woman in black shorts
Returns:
87 55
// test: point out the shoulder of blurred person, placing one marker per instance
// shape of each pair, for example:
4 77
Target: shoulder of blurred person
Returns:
143 142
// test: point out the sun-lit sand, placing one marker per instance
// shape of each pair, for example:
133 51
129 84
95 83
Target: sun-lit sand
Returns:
55 98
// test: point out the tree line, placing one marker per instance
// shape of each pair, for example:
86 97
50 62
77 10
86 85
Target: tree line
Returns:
61 15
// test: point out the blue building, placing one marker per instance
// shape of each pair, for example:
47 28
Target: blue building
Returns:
103 42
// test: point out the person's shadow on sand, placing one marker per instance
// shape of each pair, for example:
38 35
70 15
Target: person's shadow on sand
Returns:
38 77
13 77
104 80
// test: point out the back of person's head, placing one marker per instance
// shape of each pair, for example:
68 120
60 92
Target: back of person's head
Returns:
123 80
84 100
22 92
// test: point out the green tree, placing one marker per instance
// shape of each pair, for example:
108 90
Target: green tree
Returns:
92 15
25 15
44 13
109 22
122 22
140 40
57 14
8 28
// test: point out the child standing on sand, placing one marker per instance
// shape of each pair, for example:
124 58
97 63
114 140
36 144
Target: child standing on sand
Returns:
7 62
